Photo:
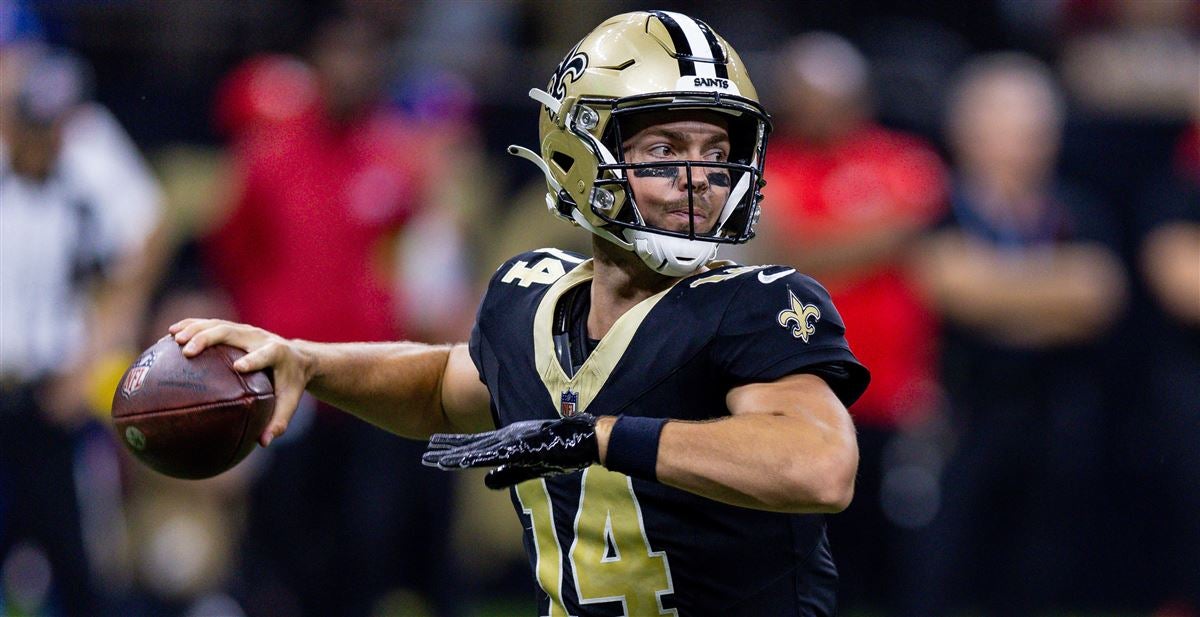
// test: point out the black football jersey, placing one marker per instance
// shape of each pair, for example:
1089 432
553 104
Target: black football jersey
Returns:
602 543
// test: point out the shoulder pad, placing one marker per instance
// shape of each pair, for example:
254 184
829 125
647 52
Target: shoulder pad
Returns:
779 297
541 266
781 322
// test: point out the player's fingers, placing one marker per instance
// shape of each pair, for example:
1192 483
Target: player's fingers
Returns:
268 355
207 337
199 328
180 325
287 398
186 329
241 336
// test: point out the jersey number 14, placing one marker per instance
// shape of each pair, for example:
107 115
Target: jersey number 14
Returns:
610 555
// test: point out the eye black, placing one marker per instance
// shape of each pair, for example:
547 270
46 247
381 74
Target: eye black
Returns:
657 172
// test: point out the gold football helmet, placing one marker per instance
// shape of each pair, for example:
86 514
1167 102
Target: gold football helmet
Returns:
635 63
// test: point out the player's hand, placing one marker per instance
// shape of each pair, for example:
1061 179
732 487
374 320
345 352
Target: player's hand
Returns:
522 451
292 365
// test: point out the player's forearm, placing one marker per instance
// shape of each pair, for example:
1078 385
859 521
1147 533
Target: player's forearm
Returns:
396 386
764 461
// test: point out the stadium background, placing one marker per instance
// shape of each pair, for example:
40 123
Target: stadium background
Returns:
181 78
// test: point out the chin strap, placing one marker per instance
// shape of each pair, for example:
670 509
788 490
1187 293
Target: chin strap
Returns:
672 256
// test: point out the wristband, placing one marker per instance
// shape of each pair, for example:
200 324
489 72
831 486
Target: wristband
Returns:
633 446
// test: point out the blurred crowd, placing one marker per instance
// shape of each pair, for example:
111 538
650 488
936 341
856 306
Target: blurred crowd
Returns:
1002 197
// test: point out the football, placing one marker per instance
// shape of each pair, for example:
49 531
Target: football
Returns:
194 417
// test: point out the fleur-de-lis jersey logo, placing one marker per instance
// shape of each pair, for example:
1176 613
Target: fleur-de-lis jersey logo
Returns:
569 70
796 317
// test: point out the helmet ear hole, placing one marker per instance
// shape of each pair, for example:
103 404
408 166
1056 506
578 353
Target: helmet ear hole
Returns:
563 160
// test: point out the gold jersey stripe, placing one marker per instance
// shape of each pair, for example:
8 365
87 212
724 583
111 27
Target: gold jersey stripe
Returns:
590 377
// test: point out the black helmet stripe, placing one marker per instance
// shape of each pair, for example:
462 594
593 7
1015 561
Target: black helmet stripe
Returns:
696 47
718 53
683 51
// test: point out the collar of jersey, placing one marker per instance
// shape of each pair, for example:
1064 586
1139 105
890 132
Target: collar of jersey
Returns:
594 372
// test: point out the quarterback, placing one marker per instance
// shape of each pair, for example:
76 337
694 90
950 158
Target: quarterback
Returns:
671 427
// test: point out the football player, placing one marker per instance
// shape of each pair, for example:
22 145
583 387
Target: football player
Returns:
671 427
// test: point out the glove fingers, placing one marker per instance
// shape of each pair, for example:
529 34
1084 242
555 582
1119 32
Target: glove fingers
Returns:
450 440
463 457
432 459
451 451
531 448
490 457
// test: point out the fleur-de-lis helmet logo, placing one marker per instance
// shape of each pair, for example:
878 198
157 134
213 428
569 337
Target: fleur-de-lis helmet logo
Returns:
569 70
797 316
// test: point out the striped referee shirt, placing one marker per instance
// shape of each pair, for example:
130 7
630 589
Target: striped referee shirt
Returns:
98 204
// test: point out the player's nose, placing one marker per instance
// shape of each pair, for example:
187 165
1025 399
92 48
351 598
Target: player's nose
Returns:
696 179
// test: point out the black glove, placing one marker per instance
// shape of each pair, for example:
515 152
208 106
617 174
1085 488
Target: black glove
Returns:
523 450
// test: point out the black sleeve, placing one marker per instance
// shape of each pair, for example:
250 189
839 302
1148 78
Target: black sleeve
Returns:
475 348
497 305
785 326
477 345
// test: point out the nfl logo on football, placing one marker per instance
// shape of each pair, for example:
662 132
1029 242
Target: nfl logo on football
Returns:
570 401
137 374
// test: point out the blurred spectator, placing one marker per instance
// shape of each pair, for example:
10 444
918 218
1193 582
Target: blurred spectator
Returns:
1026 278
263 93
78 215
1133 58
328 176
1164 430
847 198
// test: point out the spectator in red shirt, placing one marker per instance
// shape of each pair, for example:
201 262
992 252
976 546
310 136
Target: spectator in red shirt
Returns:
847 196
327 176
321 187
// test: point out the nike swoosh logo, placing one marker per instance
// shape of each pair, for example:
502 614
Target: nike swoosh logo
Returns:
767 279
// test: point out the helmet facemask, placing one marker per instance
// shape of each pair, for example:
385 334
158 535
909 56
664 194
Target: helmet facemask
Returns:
740 172
614 199
593 103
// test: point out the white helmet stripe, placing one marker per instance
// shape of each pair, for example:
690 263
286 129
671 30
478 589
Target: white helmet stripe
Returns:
691 45
700 48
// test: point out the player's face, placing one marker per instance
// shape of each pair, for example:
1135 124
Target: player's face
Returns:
661 193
